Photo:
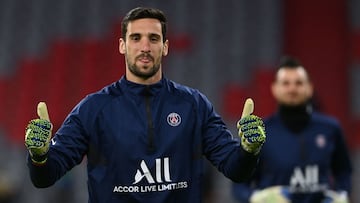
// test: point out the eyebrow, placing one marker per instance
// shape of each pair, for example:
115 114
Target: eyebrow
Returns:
149 34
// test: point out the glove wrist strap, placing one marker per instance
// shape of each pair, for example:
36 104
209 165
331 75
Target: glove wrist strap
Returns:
38 159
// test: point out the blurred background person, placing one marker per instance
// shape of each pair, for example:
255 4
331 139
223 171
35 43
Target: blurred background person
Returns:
305 158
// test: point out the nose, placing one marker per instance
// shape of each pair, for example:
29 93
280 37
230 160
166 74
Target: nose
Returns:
292 87
145 45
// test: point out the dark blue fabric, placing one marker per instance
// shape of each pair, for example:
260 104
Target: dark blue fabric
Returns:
110 128
319 150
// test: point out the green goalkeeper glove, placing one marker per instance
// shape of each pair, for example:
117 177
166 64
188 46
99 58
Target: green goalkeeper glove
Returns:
251 129
273 194
38 135
332 196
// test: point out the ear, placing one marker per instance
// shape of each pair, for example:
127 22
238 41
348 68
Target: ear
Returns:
273 89
122 48
310 89
166 48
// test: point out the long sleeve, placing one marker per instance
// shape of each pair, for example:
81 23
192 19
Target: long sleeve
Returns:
67 149
221 149
242 191
341 164
239 166
45 175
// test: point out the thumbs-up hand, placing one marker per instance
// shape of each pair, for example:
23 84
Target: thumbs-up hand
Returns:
38 135
251 129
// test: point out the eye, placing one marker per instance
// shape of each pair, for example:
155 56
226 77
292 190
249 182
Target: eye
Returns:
134 37
299 83
154 38
285 83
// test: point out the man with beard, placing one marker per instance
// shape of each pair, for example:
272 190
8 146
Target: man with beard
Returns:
305 158
144 136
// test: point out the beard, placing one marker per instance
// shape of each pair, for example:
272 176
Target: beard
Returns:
148 71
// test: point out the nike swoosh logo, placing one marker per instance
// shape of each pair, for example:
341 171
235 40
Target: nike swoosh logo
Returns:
53 142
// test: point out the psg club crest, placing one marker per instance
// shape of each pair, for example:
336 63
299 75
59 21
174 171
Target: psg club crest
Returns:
174 119
320 141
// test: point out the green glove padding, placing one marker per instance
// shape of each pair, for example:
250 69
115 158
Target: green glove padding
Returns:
252 133
273 194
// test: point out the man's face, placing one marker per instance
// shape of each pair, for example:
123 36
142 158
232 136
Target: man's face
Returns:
292 86
143 49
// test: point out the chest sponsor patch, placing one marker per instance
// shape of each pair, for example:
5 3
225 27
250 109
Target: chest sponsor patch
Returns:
157 180
320 141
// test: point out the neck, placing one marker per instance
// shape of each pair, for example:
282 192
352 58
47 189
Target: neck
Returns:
295 118
142 80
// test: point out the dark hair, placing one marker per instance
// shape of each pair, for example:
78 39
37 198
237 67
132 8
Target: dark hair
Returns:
140 13
289 61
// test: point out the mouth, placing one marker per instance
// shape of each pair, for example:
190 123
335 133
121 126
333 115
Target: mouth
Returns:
145 58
